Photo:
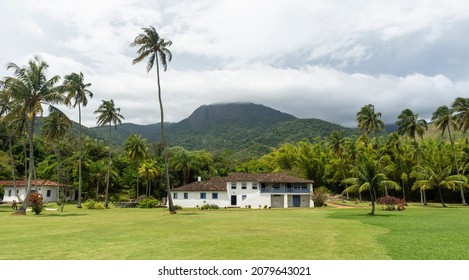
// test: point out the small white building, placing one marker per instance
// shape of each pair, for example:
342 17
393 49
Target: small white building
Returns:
48 189
274 190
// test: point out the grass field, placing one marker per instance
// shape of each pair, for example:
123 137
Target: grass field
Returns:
230 234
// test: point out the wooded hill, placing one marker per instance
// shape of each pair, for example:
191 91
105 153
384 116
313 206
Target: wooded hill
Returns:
239 127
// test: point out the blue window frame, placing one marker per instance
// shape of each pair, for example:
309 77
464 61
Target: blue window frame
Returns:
214 195
203 195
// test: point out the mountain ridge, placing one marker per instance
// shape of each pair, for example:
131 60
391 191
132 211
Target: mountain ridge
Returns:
230 126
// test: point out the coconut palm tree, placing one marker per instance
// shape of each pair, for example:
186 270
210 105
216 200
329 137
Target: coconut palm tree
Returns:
30 90
444 120
409 124
6 103
370 121
155 48
108 114
336 141
436 173
54 128
137 149
460 108
78 92
148 171
368 177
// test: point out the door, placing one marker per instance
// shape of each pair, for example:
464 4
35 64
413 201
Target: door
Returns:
233 200
296 201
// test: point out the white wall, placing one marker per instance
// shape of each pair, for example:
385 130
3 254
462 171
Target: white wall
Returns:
194 199
42 190
253 197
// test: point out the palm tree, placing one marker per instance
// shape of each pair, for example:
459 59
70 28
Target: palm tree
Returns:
435 172
54 128
6 103
460 109
443 119
370 121
108 114
409 124
337 142
31 89
78 92
184 161
137 149
156 49
98 172
148 171
368 177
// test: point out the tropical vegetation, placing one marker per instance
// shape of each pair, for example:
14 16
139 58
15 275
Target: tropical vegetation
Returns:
419 162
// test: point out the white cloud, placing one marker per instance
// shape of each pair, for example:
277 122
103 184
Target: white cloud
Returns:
290 56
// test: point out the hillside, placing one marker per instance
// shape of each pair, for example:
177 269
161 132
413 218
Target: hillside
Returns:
247 127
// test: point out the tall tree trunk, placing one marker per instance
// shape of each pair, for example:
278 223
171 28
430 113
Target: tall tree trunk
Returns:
463 199
165 152
80 144
372 196
108 170
441 198
136 195
12 162
25 204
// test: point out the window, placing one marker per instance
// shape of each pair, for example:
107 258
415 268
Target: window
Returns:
186 195
203 195
175 195
254 185
48 193
233 185
17 192
214 195
244 185
244 197
9 192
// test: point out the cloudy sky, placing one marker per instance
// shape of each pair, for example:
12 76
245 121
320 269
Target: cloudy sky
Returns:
312 59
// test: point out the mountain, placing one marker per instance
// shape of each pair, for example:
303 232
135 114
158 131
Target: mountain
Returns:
251 129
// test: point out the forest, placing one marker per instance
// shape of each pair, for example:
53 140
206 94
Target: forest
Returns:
419 162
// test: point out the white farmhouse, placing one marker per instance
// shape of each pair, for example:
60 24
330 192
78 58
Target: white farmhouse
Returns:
48 189
274 190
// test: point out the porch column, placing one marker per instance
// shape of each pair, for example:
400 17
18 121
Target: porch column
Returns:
285 201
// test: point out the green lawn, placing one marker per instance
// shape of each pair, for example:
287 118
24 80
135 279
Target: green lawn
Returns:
320 233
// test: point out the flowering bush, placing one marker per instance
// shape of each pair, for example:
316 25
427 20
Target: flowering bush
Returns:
36 202
390 202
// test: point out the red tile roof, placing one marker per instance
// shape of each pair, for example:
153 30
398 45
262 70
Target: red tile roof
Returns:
214 184
23 183
219 183
266 178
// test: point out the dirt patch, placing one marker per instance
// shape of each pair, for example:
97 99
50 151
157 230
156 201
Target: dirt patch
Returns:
340 206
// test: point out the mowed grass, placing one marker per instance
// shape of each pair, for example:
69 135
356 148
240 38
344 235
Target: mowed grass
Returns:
231 234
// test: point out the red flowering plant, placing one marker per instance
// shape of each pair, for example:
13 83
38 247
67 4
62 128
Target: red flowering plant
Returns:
36 202
389 203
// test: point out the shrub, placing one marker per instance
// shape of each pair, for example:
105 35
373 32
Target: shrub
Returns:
319 196
36 202
178 207
209 206
389 203
91 204
99 206
148 203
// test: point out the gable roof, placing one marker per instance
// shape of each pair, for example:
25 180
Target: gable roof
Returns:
219 183
266 178
214 184
24 183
